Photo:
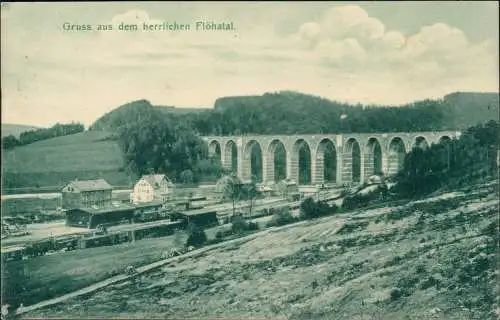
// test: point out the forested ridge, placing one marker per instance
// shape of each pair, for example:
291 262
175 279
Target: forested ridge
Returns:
159 139
291 112
34 135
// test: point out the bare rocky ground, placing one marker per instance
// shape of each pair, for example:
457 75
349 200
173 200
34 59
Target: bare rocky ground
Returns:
429 259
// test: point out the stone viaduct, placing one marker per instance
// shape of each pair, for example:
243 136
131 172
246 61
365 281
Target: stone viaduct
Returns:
353 157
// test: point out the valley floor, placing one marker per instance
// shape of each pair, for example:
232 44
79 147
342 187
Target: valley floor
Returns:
428 259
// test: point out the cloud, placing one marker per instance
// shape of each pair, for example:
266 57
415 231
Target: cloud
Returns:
346 39
438 41
339 52
351 21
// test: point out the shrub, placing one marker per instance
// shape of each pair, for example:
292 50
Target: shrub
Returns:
396 260
271 223
239 225
361 200
253 226
281 218
431 281
223 233
334 208
311 209
197 236
407 284
396 293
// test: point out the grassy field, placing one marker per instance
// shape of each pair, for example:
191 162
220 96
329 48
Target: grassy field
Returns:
54 162
30 206
53 275
428 259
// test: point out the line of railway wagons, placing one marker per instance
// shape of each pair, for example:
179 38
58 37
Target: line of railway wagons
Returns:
38 248
180 220
91 218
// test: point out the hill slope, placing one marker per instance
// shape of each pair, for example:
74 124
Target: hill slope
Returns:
432 258
457 110
137 111
55 162
15 129
471 108
130 112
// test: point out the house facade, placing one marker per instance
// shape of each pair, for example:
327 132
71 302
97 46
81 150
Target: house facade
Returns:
150 188
86 193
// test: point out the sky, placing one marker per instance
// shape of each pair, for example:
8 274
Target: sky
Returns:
366 52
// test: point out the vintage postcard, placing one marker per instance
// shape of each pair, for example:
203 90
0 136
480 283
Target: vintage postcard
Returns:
250 160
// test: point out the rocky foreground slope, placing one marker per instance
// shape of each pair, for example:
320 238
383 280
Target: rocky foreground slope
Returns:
433 258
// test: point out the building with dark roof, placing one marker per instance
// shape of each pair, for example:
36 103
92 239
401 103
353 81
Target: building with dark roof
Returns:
86 193
201 217
114 213
91 217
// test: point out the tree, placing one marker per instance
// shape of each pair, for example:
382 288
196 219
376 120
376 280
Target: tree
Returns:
456 161
187 176
230 189
307 207
10 142
283 187
207 168
251 193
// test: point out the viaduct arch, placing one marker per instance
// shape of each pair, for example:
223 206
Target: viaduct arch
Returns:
312 159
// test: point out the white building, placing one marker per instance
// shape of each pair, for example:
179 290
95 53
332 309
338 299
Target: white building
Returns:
152 187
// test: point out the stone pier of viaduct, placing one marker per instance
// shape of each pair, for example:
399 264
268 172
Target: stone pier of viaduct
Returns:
351 157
